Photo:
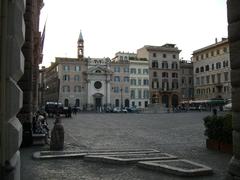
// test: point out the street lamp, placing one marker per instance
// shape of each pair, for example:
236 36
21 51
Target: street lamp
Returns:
121 99
58 92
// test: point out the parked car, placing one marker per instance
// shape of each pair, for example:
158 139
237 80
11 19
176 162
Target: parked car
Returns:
132 109
227 107
116 109
124 110
109 110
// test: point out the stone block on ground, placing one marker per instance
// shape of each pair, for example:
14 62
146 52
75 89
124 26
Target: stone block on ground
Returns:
129 158
180 167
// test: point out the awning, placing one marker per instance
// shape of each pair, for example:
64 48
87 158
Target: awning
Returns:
217 101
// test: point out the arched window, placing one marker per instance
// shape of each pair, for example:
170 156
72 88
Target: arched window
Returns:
197 70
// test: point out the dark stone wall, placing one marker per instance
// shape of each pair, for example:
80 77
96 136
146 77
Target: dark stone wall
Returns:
234 44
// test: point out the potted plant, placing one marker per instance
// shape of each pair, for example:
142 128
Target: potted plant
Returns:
219 132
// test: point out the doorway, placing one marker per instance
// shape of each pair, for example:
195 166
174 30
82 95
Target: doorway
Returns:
98 104
165 101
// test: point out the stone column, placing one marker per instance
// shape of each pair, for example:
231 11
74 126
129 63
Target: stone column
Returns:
29 81
89 95
108 92
26 82
234 45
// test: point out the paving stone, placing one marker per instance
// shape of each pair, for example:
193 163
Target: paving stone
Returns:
82 153
118 152
51 155
179 167
129 158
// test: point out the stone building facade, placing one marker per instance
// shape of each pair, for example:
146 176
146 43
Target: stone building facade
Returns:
98 77
186 80
139 83
163 74
212 71
130 81
71 82
120 87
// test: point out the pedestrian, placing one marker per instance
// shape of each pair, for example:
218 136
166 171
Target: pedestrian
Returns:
214 111
74 110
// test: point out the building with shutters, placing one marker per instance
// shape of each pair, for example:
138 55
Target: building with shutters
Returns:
212 79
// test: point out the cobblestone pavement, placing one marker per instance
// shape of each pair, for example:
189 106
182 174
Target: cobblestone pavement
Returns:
180 134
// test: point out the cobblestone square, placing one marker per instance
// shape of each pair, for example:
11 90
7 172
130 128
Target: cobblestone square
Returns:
179 134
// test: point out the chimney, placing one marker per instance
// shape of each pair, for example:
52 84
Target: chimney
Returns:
216 41
224 39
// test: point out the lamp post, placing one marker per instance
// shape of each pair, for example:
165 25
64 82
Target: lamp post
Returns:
58 92
121 99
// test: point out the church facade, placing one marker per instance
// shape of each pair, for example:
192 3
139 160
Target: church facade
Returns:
81 82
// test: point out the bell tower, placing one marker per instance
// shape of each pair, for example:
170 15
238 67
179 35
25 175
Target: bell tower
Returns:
80 46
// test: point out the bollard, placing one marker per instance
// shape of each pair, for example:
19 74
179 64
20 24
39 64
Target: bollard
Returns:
57 136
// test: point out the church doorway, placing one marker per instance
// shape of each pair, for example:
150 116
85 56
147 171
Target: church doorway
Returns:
98 102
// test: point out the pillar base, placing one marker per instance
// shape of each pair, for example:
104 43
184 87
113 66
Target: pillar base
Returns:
27 135
234 168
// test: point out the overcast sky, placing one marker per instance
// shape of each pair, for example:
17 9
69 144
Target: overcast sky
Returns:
109 26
